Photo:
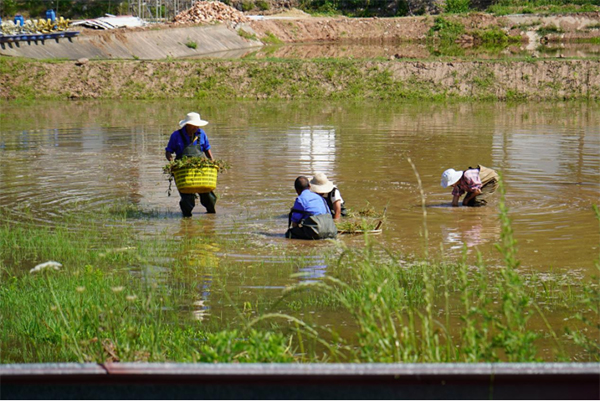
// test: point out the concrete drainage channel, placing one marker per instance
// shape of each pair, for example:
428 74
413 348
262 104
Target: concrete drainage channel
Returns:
193 41
300 381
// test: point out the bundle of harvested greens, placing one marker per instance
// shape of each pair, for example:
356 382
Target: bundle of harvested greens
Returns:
195 162
194 175
364 220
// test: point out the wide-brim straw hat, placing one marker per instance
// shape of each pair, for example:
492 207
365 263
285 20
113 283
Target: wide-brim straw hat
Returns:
320 184
192 119
450 177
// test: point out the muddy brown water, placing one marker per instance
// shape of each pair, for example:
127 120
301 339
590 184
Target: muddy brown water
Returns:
55 155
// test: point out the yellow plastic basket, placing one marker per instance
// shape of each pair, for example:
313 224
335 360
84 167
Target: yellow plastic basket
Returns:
190 180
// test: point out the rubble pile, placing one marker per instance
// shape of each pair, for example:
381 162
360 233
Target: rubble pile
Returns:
210 11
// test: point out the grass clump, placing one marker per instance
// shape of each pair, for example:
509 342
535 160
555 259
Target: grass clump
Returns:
271 39
445 30
262 5
246 35
494 36
592 27
591 321
457 6
544 7
192 45
90 315
247 6
549 29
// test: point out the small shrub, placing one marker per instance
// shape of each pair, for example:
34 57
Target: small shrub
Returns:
445 30
549 29
262 5
457 6
494 37
270 38
592 27
191 45
246 35
247 5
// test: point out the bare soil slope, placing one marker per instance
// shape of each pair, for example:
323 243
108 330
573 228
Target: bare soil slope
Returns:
358 79
303 28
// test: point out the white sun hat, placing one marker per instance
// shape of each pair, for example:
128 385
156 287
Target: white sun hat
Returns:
320 184
450 177
193 119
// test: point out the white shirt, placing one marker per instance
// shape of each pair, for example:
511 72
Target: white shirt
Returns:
336 196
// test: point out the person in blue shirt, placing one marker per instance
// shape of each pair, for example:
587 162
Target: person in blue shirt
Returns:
191 141
309 204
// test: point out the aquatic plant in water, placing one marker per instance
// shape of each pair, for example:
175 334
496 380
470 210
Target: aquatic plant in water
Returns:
362 220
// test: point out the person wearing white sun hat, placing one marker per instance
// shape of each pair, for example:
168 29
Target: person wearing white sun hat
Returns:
191 141
476 183
319 184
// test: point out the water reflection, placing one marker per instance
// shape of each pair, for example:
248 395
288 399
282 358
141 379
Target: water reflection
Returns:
316 148
471 229
200 307
313 272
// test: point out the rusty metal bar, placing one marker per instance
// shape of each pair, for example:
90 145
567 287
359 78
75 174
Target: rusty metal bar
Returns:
300 381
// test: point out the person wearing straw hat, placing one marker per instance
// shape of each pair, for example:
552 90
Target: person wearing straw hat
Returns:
476 183
310 217
191 141
319 184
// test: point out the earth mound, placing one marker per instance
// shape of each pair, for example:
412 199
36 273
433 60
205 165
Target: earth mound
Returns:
209 11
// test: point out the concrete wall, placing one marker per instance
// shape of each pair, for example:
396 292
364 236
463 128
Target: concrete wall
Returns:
371 381
148 44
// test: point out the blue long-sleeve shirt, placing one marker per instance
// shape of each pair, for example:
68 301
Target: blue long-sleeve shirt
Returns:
310 204
179 140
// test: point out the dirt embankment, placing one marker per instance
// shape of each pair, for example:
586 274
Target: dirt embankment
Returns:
336 78
324 79
307 29
194 40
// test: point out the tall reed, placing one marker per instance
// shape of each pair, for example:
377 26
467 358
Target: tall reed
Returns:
513 336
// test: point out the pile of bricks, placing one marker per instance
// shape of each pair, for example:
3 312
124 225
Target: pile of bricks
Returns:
210 11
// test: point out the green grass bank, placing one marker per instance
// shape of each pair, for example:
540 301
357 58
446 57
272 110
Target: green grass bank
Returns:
521 80
105 304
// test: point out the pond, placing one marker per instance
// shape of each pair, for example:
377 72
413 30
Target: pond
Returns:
55 155
59 159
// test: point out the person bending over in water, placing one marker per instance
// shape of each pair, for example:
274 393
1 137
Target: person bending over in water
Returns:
476 183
